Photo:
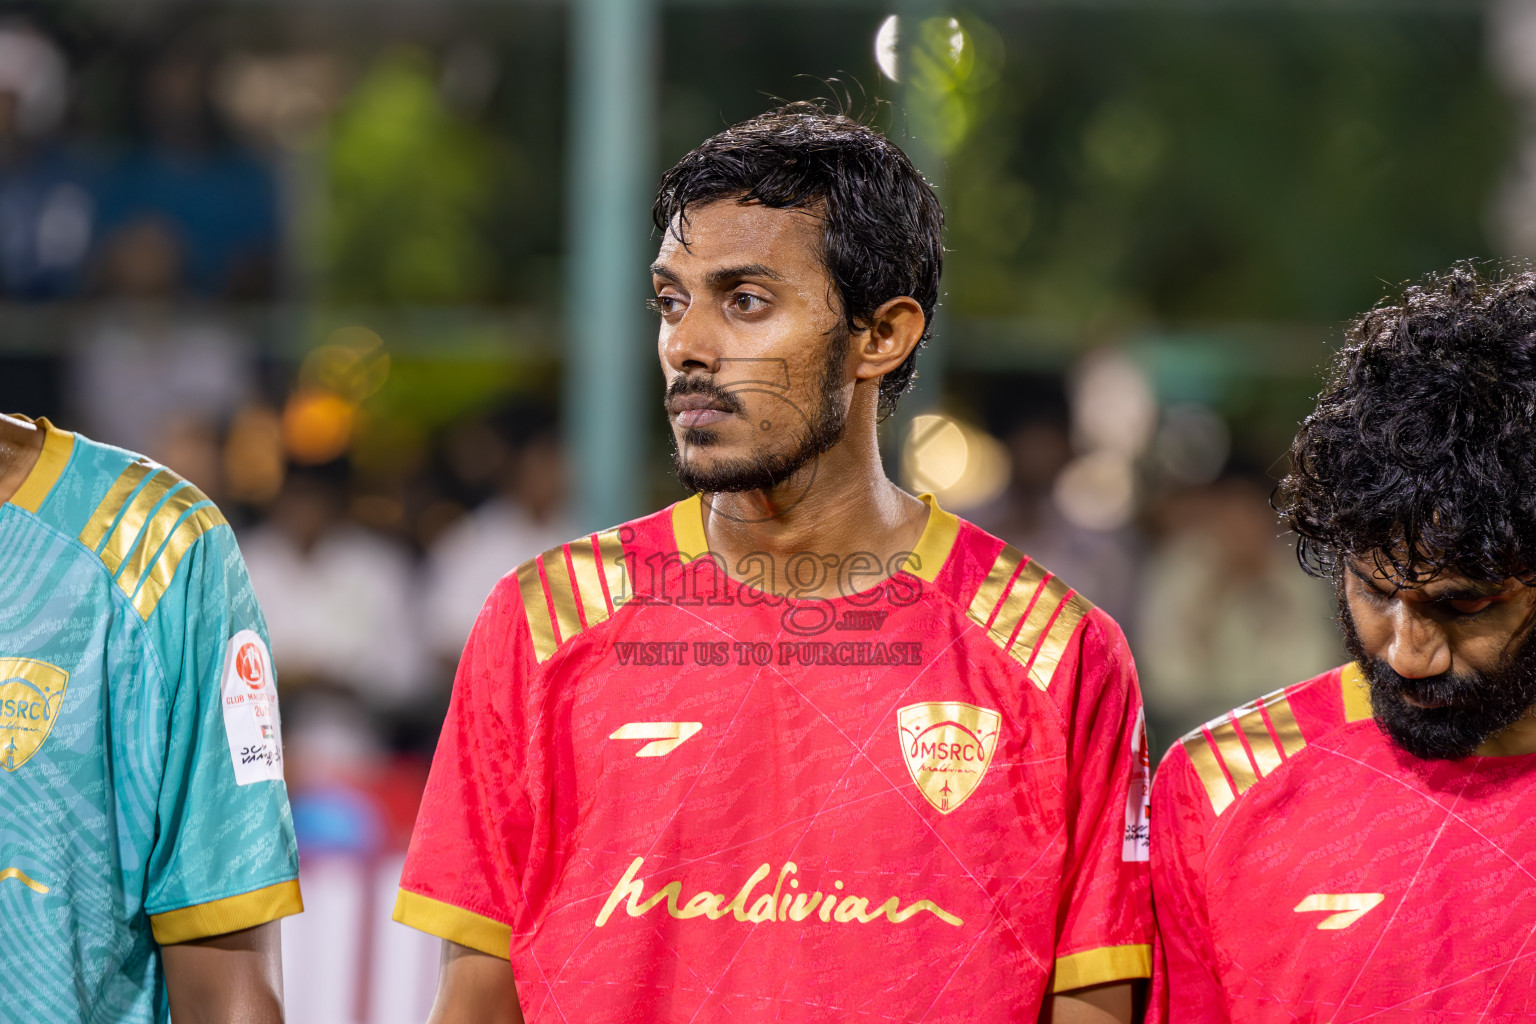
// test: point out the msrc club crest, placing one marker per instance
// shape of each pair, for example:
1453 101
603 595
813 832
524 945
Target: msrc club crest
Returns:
947 746
31 693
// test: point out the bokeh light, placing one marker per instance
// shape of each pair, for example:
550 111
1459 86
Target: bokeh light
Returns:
1097 491
962 467
318 426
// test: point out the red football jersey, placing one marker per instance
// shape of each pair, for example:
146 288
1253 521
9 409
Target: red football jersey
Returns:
1306 869
668 796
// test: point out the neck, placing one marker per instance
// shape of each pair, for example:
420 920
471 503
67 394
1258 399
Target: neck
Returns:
20 444
1517 739
840 520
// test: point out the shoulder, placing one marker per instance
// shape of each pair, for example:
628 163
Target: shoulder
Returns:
1035 617
134 516
576 586
1223 760
139 519
71 476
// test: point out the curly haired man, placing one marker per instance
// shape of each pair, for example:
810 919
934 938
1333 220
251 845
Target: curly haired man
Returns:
1362 845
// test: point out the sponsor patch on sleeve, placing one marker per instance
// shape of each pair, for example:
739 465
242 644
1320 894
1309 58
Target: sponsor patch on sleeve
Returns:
1138 801
249 694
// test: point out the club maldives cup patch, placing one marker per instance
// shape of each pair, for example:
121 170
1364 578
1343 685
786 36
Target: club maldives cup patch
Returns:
948 747
249 692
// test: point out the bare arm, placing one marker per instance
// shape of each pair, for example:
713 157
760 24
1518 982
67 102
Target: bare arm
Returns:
227 979
474 988
1102 1004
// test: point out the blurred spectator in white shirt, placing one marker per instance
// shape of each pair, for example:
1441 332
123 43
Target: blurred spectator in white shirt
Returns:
1226 614
150 369
338 597
1101 564
524 518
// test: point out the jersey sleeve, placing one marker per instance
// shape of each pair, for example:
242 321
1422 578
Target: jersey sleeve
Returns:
224 857
1185 987
1105 930
470 847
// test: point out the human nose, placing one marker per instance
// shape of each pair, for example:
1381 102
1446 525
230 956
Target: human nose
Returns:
1417 647
688 345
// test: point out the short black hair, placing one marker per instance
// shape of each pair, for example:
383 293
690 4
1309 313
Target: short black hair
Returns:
1421 453
884 225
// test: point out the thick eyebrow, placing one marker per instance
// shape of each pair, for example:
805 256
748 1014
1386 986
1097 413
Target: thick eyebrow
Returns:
1465 590
717 279
727 275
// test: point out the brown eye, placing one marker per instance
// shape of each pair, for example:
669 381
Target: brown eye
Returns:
746 302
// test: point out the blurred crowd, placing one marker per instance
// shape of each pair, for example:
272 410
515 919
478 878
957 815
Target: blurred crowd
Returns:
178 210
378 494
371 569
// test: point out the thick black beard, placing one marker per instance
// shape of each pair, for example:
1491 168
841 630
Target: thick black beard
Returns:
766 470
1481 704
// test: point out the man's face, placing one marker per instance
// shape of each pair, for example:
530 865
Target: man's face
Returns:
1449 661
754 351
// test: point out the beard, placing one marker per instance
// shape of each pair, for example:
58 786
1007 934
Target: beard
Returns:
1474 705
765 470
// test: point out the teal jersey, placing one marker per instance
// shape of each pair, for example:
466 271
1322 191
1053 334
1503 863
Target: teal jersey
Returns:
141 797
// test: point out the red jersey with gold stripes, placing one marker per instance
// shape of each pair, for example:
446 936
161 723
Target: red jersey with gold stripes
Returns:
1307 869
668 796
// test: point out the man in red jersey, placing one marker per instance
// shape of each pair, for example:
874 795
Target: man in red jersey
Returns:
801 747
1362 846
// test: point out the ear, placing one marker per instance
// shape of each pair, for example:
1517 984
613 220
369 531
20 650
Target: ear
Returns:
894 331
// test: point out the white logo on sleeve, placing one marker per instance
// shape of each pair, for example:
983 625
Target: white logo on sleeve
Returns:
1138 801
251 723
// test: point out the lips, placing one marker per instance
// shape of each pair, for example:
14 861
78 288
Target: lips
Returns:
701 417
699 409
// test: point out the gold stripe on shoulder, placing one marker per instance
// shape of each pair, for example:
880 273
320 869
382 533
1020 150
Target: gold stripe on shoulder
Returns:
1266 754
990 594
562 594
1052 592
1357 694
158 580
1230 749
1283 724
1208 768
1268 727
58 446
610 556
536 608
589 581
1050 650
120 542
1029 588
1051 612
574 591
156 532
106 511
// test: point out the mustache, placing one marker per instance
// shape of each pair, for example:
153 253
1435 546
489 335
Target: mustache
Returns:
706 386
1446 688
